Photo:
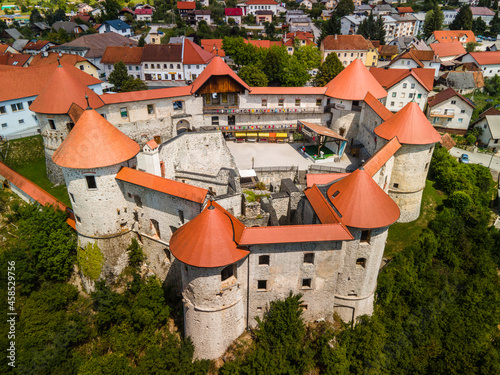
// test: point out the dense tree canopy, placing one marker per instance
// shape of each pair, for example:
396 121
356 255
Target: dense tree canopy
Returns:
328 70
463 20
373 28
433 21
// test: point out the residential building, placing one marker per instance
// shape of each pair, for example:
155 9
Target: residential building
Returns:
449 36
39 27
234 13
450 112
416 59
349 48
463 82
404 86
184 7
115 26
5 48
70 27
349 25
194 59
77 61
11 34
419 24
307 4
403 42
144 14
486 14
262 16
387 51
203 15
487 61
290 14
405 10
16 59
300 37
252 6
490 138
449 16
162 62
122 15
130 56
37 46
447 52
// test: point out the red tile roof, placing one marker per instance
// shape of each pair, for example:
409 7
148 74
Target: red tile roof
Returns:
448 49
445 95
486 57
263 43
417 56
152 144
162 52
216 67
30 188
214 46
163 185
261 2
490 112
209 240
447 142
97 43
346 43
295 234
194 54
321 130
410 126
294 34
144 11
387 50
403 10
186 5
52 58
288 91
129 55
377 107
389 77
135 96
94 143
323 178
325 212
353 83
231 12
447 36
14 59
61 91
381 157
36 45
361 202
3 48
25 82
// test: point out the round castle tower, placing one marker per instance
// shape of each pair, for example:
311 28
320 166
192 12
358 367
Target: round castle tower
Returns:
411 162
368 212
214 277
90 157
57 108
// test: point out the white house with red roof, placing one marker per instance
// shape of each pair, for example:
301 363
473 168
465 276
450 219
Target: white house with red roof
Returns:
303 38
234 13
35 47
487 61
143 14
253 6
450 112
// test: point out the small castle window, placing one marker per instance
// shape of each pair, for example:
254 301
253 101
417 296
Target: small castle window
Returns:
297 102
366 236
361 262
151 109
426 166
303 307
318 102
52 124
180 213
264 102
78 218
281 102
168 254
306 283
395 185
91 184
264 260
72 197
261 284
309 258
155 228
70 126
224 97
215 120
259 308
123 112
227 272
177 105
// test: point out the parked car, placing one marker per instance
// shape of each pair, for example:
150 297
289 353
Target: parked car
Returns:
464 158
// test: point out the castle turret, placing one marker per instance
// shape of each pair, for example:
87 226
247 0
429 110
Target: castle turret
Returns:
214 279
411 162
367 211
58 107
90 157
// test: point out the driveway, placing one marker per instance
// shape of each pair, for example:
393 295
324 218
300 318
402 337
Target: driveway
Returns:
478 158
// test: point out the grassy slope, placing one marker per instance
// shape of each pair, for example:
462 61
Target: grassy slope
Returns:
26 156
402 234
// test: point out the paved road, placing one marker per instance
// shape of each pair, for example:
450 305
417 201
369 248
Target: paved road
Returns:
477 158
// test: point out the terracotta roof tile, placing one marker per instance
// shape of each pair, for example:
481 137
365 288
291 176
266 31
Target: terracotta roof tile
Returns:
216 67
288 91
490 112
152 144
389 77
447 142
377 107
186 5
61 91
447 36
445 95
194 54
36 45
263 43
361 202
448 49
353 83
416 55
30 188
323 178
162 52
325 212
388 50
209 240
14 59
486 57
231 12
214 46
163 185
25 82
129 55
404 10
381 157
410 126
94 143
52 58
346 42
135 96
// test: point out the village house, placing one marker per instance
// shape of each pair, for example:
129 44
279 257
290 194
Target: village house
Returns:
449 36
122 14
449 111
203 15
487 61
262 16
252 6
349 25
37 46
463 82
144 14
130 56
70 27
349 48
115 26
300 37
184 7
486 14
447 52
490 138
404 86
16 59
412 58
234 13
162 62
77 61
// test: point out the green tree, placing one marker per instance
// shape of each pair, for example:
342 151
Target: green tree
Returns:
495 24
484 3
122 81
433 21
134 84
142 41
495 5
295 73
111 10
478 26
330 27
330 68
463 20
35 16
471 46
253 76
270 30
372 28
242 53
344 8
310 56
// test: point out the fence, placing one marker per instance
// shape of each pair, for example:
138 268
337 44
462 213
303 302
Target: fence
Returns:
21 135
324 169
276 169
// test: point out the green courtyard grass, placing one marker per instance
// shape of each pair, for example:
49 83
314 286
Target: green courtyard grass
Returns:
26 156
402 234
313 150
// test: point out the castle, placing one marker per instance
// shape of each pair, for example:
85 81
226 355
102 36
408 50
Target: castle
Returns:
154 165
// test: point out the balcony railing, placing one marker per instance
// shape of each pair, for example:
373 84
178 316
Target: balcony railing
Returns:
444 115
260 111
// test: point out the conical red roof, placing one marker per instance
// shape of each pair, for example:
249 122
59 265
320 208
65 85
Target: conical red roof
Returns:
209 240
216 67
354 82
362 203
410 126
94 143
61 91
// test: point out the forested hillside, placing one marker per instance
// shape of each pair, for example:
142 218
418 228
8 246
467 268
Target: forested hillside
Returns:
437 304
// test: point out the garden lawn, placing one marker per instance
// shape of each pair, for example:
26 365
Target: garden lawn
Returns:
313 150
403 234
